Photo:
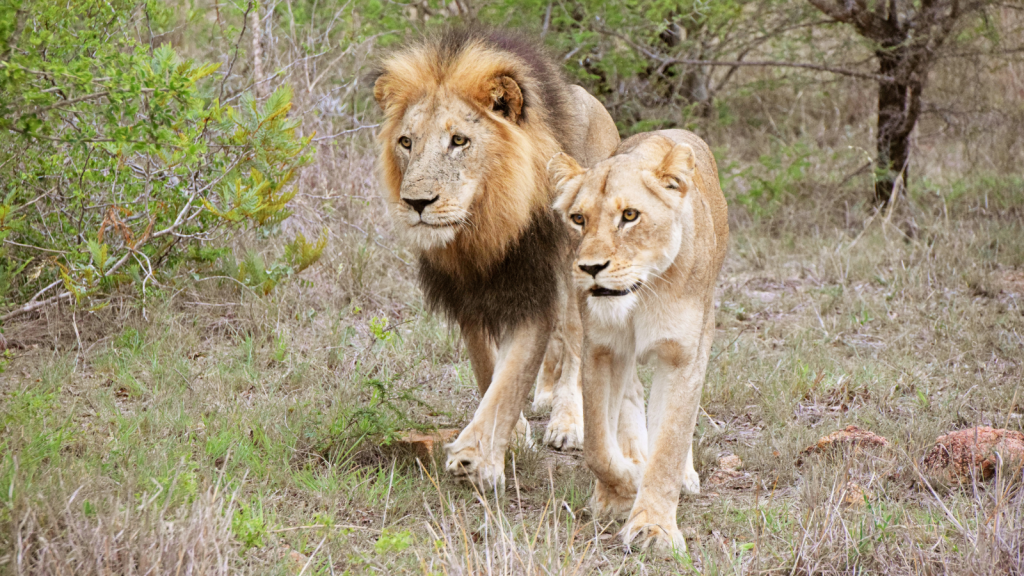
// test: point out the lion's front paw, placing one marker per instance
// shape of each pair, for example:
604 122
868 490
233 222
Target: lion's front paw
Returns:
645 529
565 430
468 463
607 503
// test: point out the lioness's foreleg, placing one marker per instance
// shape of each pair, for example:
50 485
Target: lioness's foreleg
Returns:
675 396
607 375
478 454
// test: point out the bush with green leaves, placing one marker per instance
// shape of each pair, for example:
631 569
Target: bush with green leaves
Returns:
118 158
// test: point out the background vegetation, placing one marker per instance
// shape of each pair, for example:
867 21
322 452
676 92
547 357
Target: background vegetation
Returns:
211 338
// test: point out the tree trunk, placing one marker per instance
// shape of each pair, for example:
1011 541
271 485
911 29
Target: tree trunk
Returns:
899 105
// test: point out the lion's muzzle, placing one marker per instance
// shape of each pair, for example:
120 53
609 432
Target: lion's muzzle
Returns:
418 204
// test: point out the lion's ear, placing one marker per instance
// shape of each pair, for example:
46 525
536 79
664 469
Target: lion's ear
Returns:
677 164
561 169
506 98
382 91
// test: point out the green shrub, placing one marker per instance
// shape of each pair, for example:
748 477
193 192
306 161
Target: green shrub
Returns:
118 159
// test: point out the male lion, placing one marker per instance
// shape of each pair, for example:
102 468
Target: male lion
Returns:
470 121
654 231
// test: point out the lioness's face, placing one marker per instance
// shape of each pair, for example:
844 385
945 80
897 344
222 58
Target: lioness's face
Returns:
630 211
440 148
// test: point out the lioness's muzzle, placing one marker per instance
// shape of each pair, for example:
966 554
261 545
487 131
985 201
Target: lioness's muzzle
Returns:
602 291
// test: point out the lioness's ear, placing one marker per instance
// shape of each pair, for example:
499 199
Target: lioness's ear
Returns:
506 98
561 169
678 164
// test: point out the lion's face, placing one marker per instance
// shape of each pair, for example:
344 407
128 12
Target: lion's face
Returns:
441 150
631 211
460 148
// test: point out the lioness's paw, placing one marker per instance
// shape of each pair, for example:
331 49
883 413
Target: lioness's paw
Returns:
644 530
521 435
609 504
691 482
565 430
634 448
468 463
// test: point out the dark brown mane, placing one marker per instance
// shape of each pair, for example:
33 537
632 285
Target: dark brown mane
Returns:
521 286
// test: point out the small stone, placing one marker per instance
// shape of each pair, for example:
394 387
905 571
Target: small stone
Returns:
423 445
856 496
960 455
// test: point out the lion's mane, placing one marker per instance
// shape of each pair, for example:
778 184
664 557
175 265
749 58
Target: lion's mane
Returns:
505 266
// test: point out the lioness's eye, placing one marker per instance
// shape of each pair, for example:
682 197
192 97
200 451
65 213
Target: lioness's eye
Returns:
459 140
405 142
577 219
630 214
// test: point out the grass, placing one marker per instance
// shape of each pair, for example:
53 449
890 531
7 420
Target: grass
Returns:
206 430
229 433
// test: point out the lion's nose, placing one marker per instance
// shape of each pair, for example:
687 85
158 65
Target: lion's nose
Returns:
418 205
593 269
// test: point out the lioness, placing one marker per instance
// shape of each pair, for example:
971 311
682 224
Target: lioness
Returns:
654 230
470 121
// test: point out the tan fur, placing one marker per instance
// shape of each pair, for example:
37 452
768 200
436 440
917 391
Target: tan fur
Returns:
483 197
669 256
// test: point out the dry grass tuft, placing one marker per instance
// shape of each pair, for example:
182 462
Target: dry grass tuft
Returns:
67 537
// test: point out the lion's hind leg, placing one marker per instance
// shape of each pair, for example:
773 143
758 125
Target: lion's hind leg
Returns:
565 429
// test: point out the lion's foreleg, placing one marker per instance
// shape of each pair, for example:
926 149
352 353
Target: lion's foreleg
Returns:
607 374
478 454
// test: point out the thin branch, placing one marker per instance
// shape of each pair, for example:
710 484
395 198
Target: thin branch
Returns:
775 64
666 62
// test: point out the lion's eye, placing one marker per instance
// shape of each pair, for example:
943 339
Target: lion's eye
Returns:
630 214
459 140
577 219
405 142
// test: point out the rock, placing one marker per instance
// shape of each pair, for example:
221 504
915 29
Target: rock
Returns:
978 451
730 462
728 474
849 436
423 445
294 561
721 478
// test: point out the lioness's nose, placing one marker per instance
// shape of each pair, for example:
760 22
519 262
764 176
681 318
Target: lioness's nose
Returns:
419 205
593 269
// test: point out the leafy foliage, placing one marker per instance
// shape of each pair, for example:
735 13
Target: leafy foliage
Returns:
118 156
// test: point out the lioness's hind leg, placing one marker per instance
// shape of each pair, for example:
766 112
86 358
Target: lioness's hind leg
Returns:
632 432
691 480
